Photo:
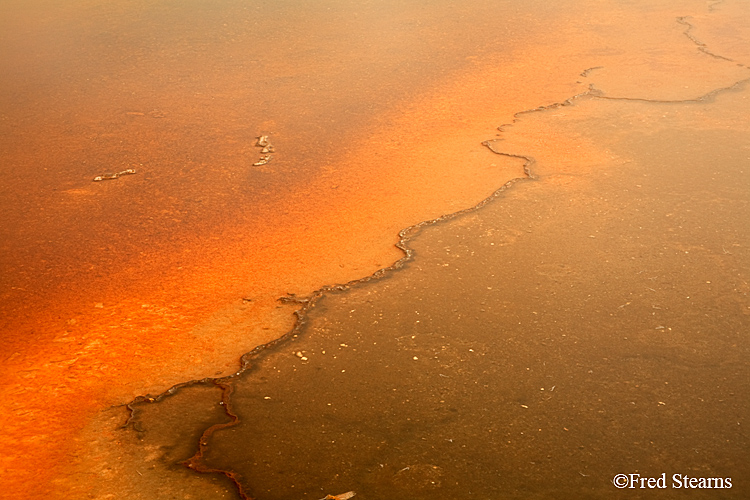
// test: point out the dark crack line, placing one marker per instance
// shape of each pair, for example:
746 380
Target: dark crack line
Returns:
707 97
130 407
405 235
529 161
702 46
195 462
567 102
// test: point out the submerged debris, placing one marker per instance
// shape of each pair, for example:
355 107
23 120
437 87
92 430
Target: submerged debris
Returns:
105 177
340 496
266 150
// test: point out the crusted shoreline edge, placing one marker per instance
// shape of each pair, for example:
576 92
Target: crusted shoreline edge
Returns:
225 384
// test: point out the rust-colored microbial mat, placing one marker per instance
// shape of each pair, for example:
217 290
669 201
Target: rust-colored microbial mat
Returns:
124 287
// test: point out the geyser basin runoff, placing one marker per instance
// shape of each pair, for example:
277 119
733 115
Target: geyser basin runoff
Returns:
169 253
575 328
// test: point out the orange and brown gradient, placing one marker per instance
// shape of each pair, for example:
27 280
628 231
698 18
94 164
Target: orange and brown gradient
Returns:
377 112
